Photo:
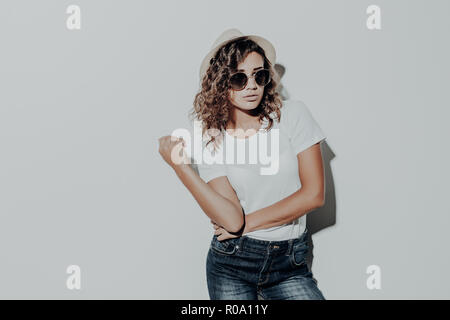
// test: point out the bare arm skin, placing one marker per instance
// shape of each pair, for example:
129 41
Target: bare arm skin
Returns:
309 197
216 198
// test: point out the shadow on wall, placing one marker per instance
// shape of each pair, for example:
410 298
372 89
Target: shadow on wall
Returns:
324 216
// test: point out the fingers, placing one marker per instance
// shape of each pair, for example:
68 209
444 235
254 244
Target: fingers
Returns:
215 226
165 140
220 235
178 139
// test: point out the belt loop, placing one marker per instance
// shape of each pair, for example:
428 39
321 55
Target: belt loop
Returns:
291 241
305 234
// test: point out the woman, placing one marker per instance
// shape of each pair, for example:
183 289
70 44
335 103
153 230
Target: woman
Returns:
258 211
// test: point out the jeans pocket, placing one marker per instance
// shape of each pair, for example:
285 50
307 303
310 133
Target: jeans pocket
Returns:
298 254
225 247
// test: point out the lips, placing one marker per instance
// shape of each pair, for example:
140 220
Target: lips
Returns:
251 96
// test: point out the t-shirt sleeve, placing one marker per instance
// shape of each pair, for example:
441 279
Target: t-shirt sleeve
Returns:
303 129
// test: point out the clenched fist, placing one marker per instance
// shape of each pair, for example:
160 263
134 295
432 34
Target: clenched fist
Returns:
172 150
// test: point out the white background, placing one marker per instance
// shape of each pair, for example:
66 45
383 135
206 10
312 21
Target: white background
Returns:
81 181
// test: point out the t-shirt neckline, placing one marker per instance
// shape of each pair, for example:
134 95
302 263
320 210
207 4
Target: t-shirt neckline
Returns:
264 122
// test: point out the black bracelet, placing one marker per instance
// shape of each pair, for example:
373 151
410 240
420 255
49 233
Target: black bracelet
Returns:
241 230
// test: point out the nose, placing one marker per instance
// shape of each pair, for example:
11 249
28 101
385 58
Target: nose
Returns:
251 83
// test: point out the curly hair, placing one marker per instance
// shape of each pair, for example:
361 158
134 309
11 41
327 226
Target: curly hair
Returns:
211 103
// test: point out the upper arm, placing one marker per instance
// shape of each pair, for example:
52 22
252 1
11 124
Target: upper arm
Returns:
223 187
215 175
305 136
311 172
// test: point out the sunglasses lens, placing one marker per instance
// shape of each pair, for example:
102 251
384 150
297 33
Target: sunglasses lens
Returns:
262 77
238 80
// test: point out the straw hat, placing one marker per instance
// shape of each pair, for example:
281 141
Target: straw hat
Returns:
229 35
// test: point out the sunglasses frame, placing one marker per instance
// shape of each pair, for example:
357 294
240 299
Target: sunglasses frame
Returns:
252 76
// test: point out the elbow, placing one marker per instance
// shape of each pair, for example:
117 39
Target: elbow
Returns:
236 226
315 196
318 200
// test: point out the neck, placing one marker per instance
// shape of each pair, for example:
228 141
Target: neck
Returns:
244 119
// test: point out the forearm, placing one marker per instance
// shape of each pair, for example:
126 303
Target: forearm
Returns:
218 208
284 211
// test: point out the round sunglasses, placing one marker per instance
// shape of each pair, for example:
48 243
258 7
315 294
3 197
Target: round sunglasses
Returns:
239 80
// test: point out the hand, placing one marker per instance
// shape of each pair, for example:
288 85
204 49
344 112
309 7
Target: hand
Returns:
170 148
223 234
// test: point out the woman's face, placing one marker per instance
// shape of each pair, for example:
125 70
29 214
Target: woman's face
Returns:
242 98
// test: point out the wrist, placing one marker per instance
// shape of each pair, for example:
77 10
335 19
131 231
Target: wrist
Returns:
181 170
248 224
182 167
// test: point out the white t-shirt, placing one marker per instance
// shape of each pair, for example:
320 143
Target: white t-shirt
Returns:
297 131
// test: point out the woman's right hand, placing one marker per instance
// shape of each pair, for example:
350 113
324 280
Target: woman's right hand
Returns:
170 148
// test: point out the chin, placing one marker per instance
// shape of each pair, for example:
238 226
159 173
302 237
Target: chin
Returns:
249 104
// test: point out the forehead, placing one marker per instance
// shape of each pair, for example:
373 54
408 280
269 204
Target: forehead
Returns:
252 61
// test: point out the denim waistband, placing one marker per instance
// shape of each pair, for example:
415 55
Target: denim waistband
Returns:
257 245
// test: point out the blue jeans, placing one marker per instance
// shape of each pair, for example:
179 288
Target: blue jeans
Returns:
250 269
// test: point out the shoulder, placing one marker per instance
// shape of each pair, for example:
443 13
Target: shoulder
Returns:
292 111
293 107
